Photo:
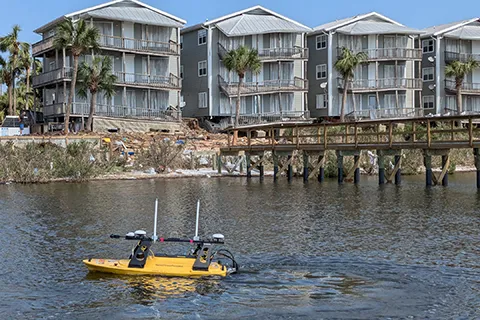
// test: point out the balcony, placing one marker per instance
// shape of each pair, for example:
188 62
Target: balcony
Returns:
42 46
263 87
463 57
281 116
273 54
388 54
139 46
369 85
389 113
53 76
83 109
467 88
144 80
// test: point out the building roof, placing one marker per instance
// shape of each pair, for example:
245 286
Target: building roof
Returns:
254 20
465 29
363 27
123 10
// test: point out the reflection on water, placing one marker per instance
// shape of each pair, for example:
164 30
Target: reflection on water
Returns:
316 251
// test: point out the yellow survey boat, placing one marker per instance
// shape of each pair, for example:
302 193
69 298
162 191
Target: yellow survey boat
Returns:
202 261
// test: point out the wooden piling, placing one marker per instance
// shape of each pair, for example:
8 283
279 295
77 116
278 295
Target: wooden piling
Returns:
340 167
305 166
219 163
249 165
275 166
476 152
381 167
356 176
445 164
398 174
428 169
290 169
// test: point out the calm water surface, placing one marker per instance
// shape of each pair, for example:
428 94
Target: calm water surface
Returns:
306 251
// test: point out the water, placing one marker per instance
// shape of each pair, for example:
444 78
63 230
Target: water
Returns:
306 251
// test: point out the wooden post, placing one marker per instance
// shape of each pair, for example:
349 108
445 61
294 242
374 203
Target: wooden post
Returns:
261 170
476 152
219 163
445 163
321 172
290 169
249 165
356 176
428 169
340 167
214 161
275 166
381 167
398 174
305 166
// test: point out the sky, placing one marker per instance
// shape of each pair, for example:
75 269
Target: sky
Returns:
29 14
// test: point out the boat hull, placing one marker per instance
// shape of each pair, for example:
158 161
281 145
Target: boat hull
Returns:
161 266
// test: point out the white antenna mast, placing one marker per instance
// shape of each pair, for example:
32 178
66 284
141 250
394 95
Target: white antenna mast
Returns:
196 238
155 222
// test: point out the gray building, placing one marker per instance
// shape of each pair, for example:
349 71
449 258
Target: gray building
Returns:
143 43
277 92
387 85
441 45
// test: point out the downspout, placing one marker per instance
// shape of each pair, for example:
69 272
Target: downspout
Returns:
330 72
437 73
209 69
304 101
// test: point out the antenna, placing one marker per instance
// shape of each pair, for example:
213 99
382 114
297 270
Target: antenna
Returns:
196 238
155 238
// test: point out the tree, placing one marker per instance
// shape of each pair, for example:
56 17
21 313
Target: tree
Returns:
346 66
241 60
26 62
79 38
6 77
459 70
95 78
16 48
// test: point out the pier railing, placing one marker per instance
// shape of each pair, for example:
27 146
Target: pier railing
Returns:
416 133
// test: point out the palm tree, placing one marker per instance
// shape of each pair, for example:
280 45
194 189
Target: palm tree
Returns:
79 38
459 70
16 48
95 78
6 77
346 66
26 62
25 99
241 60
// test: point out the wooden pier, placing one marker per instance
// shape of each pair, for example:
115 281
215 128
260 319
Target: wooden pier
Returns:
435 136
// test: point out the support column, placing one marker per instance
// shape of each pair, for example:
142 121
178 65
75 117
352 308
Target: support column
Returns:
249 165
428 169
305 167
262 172
381 168
290 169
356 176
445 177
340 167
321 172
476 152
398 174
219 163
275 166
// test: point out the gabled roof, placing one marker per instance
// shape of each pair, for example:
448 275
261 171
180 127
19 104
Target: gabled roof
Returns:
254 20
376 27
454 29
123 10
371 16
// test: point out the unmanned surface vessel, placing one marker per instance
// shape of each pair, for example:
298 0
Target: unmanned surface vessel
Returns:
203 260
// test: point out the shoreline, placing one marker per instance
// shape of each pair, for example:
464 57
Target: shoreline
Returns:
193 173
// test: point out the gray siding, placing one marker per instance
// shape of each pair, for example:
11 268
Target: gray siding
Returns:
427 64
316 57
192 84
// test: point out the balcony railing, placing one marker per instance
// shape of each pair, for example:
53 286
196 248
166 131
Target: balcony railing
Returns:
378 54
168 82
52 76
273 53
114 111
42 46
463 57
382 84
472 88
388 113
281 116
263 87
130 44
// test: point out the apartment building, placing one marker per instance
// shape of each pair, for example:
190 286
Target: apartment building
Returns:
440 46
277 92
143 43
388 84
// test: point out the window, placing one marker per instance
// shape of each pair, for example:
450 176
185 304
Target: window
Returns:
181 71
321 101
428 102
202 37
202 68
428 74
427 46
321 71
202 99
181 42
321 41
